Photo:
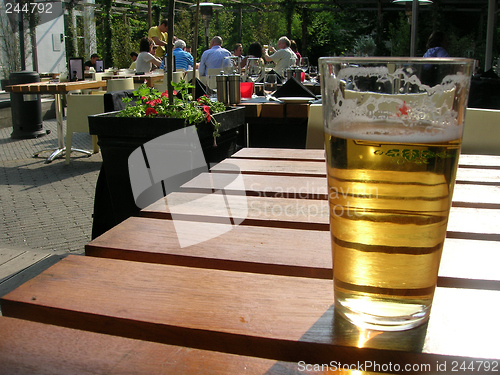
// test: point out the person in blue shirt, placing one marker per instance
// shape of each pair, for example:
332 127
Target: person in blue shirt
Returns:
436 45
213 58
183 59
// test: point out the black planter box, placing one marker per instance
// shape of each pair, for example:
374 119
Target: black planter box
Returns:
118 137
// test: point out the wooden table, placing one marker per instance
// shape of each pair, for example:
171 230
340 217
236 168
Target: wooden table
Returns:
148 78
259 297
57 89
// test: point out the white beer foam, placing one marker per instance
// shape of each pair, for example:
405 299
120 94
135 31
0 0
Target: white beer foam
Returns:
394 132
428 116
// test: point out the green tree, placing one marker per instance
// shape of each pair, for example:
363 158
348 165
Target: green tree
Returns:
121 43
400 34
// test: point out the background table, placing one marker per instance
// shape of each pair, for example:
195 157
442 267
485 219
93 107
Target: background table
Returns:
57 89
259 297
148 78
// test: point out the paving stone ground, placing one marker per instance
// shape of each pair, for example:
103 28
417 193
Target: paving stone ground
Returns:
46 207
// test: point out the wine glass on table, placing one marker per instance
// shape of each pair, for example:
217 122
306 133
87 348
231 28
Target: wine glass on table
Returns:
313 73
270 84
231 64
211 85
304 64
253 68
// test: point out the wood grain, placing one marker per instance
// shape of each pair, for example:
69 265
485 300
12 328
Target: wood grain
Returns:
464 222
54 88
275 317
280 154
260 185
272 167
258 211
282 167
471 161
33 348
465 195
277 251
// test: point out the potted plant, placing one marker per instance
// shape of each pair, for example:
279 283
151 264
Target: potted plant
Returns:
147 115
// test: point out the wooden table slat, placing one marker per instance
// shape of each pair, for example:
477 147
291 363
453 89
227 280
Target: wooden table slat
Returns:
55 88
280 154
33 348
464 222
282 167
466 160
276 317
276 251
465 195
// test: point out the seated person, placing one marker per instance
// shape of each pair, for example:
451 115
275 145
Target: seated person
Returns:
133 56
254 50
213 58
238 50
146 59
284 58
183 60
91 63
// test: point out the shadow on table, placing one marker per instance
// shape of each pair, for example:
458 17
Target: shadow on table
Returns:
335 338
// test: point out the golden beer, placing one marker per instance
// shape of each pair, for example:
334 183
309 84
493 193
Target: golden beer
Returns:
390 196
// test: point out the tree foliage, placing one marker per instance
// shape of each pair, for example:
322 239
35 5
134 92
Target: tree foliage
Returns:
318 29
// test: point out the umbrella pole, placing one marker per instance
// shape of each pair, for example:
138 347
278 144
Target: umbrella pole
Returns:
171 5
195 44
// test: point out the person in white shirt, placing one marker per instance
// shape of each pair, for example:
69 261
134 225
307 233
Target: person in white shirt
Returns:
284 57
146 59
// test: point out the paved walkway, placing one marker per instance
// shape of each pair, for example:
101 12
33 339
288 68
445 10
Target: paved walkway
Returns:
45 209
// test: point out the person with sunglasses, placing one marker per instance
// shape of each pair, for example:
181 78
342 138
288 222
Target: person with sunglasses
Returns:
146 59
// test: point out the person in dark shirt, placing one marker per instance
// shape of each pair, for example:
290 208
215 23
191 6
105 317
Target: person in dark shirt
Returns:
91 63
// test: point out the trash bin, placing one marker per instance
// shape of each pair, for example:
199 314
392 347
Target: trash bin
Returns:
26 108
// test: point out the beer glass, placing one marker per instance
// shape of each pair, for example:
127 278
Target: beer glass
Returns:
393 129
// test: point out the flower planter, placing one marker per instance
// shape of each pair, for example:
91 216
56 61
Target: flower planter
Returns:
118 137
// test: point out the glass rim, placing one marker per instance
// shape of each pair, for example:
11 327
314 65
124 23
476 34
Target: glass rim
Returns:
393 59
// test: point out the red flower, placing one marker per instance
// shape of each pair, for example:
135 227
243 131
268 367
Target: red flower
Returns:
151 111
206 108
165 93
143 98
152 103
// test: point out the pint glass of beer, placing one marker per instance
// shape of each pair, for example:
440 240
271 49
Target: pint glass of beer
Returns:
393 129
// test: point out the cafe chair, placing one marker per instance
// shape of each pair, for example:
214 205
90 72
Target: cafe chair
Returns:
80 106
315 138
119 84
176 77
